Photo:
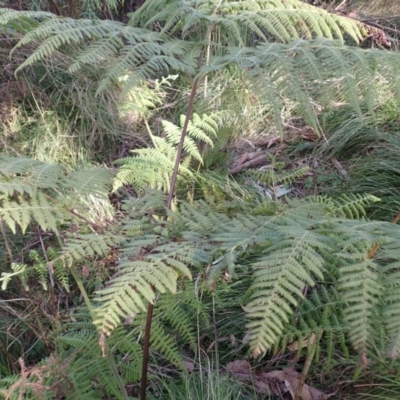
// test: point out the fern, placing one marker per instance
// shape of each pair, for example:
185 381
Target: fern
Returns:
283 20
89 245
272 178
294 246
291 249
273 70
152 167
134 284
88 372
294 70
46 194
137 49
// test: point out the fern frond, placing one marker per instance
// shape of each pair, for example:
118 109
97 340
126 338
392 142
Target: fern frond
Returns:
138 50
360 287
89 245
22 21
389 254
273 70
279 279
321 311
352 206
283 20
90 375
153 167
45 193
178 312
39 208
133 286
272 178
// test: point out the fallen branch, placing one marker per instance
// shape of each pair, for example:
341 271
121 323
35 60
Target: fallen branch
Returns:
258 158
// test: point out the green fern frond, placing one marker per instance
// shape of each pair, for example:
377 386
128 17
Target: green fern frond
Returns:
90 181
39 208
22 21
138 50
19 270
165 344
133 286
271 178
45 193
89 374
391 309
279 279
272 71
178 312
391 300
360 288
152 167
321 311
283 20
352 206
89 245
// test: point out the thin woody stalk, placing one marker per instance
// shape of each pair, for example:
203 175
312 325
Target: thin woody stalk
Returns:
150 307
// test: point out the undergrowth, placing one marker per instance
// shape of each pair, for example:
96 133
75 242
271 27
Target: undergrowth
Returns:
289 263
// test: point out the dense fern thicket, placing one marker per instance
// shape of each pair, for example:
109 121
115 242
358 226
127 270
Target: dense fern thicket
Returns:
222 172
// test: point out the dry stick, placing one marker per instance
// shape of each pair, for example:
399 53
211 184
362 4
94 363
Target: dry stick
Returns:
150 307
380 18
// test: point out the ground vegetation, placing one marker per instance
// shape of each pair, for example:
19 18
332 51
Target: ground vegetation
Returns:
199 200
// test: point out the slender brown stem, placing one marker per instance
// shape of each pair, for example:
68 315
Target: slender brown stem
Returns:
150 307
146 348
304 373
183 136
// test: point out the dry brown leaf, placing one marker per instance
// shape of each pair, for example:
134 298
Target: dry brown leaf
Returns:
340 168
102 343
308 133
272 381
295 345
189 365
222 339
243 158
364 359
262 386
240 369
246 337
290 379
277 382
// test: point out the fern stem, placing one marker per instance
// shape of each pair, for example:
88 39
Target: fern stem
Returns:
171 193
183 136
307 364
150 307
109 356
146 347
